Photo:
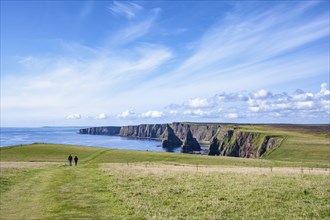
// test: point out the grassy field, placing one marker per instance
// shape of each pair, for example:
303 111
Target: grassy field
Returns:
37 183
303 143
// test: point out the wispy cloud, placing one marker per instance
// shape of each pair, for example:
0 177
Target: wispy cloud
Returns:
252 46
67 83
134 30
127 9
216 73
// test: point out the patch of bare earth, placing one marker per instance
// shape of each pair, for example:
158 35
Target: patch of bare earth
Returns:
9 164
167 168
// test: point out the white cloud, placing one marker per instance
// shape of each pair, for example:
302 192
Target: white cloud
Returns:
254 109
305 105
101 116
231 115
173 112
74 116
127 114
261 94
325 104
152 114
230 97
324 92
258 104
198 103
299 102
303 96
324 89
197 112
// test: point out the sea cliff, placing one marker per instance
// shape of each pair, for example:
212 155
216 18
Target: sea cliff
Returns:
223 139
108 130
203 132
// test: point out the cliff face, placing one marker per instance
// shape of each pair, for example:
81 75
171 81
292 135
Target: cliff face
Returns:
109 130
202 132
224 140
227 142
143 131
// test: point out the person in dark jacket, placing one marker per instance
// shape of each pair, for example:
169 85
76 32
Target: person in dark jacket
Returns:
75 160
70 160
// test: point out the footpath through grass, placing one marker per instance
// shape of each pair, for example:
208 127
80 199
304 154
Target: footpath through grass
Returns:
58 193
114 184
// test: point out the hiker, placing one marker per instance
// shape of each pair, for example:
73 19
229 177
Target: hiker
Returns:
75 160
70 160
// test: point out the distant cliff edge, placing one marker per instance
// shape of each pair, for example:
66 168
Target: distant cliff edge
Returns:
203 132
223 139
108 130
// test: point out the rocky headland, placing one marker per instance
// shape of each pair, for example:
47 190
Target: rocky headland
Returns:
223 139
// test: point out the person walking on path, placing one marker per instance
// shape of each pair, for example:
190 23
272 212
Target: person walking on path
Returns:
75 160
70 160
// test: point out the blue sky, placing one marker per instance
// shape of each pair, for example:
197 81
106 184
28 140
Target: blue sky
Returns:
130 62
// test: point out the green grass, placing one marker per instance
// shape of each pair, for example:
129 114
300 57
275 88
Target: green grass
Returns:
58 193
45 152
59 153
197 195
302 148
122 184
306 144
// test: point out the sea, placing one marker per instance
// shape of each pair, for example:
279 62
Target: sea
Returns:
70 135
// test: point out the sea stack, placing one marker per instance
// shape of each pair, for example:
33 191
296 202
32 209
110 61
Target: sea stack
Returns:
190 143
169 139
214 147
